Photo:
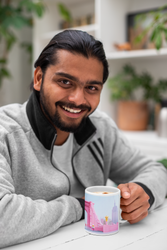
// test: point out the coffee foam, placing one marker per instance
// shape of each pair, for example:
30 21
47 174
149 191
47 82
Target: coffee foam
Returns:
104 192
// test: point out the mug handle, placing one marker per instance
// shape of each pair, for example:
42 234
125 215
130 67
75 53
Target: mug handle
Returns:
121 221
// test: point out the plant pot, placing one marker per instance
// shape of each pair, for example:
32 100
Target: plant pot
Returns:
132 115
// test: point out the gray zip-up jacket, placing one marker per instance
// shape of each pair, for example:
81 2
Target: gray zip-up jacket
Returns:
34 202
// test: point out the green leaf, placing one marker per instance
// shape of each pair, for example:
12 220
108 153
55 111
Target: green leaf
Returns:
128 69
3 61
164 162
4 73
15 19
158 41
162 85
123 84
5 12
29 5
127 81
64 12
157 16
19 22
38 7
153 34
9 37
139 38
10 40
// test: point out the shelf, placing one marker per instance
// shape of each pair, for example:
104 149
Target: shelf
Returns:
87 28
137 54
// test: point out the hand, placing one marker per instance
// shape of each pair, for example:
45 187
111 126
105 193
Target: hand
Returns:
134 202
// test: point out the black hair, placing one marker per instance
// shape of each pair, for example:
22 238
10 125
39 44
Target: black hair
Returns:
75 41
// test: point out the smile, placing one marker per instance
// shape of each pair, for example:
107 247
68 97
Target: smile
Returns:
71 110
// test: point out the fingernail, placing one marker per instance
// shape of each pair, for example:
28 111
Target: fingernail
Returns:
126 194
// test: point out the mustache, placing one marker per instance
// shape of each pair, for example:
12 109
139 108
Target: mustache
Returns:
73 106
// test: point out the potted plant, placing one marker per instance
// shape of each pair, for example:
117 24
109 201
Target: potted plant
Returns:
156 29
15 16
133 91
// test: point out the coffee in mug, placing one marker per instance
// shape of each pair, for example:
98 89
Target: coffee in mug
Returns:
103 192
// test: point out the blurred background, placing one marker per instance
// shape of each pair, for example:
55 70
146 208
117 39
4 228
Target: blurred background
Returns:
134 34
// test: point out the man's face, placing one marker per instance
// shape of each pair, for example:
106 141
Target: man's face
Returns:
70 89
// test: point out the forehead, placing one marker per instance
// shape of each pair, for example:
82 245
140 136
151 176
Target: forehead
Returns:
78 65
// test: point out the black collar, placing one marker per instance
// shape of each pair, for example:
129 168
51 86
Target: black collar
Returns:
44 130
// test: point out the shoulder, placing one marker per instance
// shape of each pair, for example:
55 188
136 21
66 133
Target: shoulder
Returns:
100 118
106 128
13 117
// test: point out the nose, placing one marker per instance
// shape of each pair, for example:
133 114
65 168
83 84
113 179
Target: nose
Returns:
77 96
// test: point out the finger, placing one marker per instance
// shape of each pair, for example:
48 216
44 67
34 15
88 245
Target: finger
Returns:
133 205
135 215
141 217
137 192
125 190
126 202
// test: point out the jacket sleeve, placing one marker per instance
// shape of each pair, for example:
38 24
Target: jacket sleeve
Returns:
23 219
130 165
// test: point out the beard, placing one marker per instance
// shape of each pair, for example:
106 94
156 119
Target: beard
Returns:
56 118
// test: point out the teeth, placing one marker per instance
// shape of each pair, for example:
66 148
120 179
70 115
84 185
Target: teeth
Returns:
71 110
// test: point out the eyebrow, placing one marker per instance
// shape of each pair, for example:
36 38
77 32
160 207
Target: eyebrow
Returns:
73 78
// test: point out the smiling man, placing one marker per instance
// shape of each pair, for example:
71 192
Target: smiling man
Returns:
58 143
69 91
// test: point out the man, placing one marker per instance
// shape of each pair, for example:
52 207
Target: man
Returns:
55 145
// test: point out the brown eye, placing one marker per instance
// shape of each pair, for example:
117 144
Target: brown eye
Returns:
92 88
66 82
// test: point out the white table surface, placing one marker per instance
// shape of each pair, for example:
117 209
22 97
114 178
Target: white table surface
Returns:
149 234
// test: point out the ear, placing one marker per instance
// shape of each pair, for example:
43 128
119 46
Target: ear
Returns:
38 78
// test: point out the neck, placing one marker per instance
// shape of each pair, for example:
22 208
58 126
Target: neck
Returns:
61 137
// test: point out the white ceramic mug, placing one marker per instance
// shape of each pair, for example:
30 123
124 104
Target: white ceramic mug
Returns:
102 210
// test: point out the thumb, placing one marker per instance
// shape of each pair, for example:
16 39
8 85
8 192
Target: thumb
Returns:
125 190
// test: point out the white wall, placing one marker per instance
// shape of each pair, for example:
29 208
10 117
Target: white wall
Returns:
16 88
